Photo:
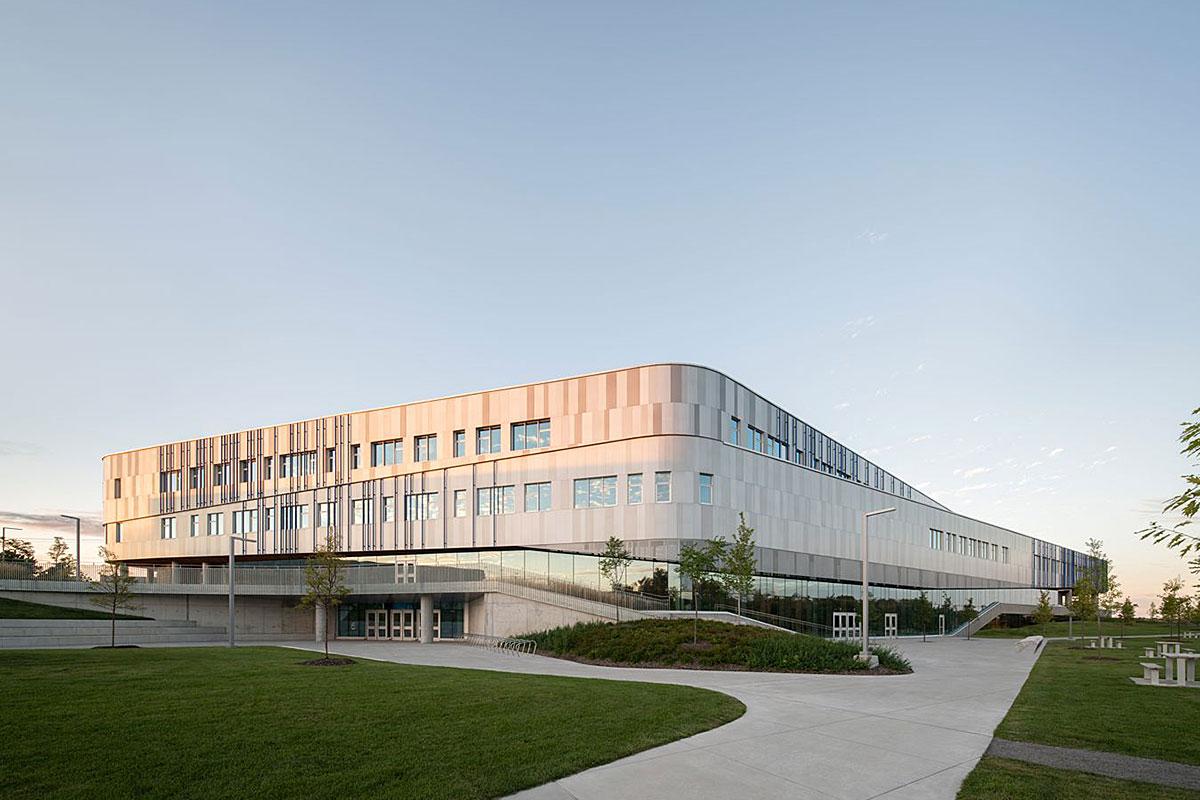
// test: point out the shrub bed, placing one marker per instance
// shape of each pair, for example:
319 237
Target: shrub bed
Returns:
720 645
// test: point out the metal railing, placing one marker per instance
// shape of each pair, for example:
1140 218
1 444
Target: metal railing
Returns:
502 643
790 623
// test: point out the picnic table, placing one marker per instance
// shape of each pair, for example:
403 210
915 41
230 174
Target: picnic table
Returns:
1181 667
1168 648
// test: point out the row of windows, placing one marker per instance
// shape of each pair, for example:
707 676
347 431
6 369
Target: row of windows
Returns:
598 492
966 546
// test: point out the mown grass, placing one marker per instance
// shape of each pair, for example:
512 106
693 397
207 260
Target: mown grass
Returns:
721 645
1142 627
254 722
1003 779
20 609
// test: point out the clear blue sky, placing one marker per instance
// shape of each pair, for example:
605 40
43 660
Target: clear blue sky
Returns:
961 238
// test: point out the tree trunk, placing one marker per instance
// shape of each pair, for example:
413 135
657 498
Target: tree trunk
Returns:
114 624
326 632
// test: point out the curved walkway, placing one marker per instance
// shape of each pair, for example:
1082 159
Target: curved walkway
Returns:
1111 765
802 736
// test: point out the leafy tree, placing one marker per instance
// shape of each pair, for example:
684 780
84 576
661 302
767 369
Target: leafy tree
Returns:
61 566
740 563
696 563
1043 615
1104 581
655 583
923 612
324 588
946 609
18 551
614 565
1128 614
968 613
1174 605
1083 599
1186 504
1153 612
113 589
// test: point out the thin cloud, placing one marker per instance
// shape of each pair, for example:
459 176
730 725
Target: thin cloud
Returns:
971 473
922 438
10 447
1054 452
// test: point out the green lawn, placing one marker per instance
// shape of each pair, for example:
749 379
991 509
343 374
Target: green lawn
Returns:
1076 697
1141 627
1002 779
254 722
19 609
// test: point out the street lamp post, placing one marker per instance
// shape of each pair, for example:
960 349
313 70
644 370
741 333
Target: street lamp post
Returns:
866 653
232 615
78 554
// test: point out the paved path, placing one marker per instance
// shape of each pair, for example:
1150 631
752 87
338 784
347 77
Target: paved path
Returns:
803 736
1112 765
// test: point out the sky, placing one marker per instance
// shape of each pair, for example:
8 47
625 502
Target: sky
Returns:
960 238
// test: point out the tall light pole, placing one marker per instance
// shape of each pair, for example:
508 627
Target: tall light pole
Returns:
866 654
78 555
232 615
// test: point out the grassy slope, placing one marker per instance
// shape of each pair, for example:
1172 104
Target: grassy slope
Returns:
1002 779
1076 697
253 722
19 609
1140 628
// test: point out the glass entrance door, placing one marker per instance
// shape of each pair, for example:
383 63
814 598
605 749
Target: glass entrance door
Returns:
402 623
377 623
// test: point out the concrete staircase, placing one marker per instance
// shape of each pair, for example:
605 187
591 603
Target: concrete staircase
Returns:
91 632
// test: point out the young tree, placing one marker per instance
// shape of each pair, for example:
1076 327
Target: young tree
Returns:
923 611
614 564
1174 605
114 589
740 563
968 613
696 563
1128 614
1104 581
1153 612
1043 615
1083 599
323 572
946 609
61 566
1186 504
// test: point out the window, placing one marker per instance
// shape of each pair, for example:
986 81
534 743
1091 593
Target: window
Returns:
389 509
195 477
662 487
166 528
1004 554
168 481
117 490
117 530
495 500
330 458
596 492
537 496
363 511
460 502
268 519
734 423
355 458
295 464
705 489
293 518
248 470
221 474
776 448
326 514
194 528
216 525
386 453
420 506
245 522
754 439
267 462
460 444
633 489
530 435
425 448
487 440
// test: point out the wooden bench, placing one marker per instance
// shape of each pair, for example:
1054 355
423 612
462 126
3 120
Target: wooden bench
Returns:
1150 673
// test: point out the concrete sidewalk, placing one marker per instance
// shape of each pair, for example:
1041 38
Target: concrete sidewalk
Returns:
803 736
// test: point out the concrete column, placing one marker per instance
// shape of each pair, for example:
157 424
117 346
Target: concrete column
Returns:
204 572
319 627
426 619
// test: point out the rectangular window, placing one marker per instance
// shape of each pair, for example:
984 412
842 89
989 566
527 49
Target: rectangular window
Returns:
425 448
706 486
194 529
168 481
460 502
216 525
487 440
118 532
267 462
530 435
245 522
537 496
355 459
385 454
662 487
293 465
363 511
268 519
389 509
330 458
460 444
754 439
596 492
293 518
734 424
326 514
633 489
425 505
495 500
166 528
248 470
117 490
221 474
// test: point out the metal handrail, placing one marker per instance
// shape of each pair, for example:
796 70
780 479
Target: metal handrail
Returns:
778 620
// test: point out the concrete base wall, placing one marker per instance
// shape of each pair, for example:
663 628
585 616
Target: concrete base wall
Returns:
504 615
275 617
